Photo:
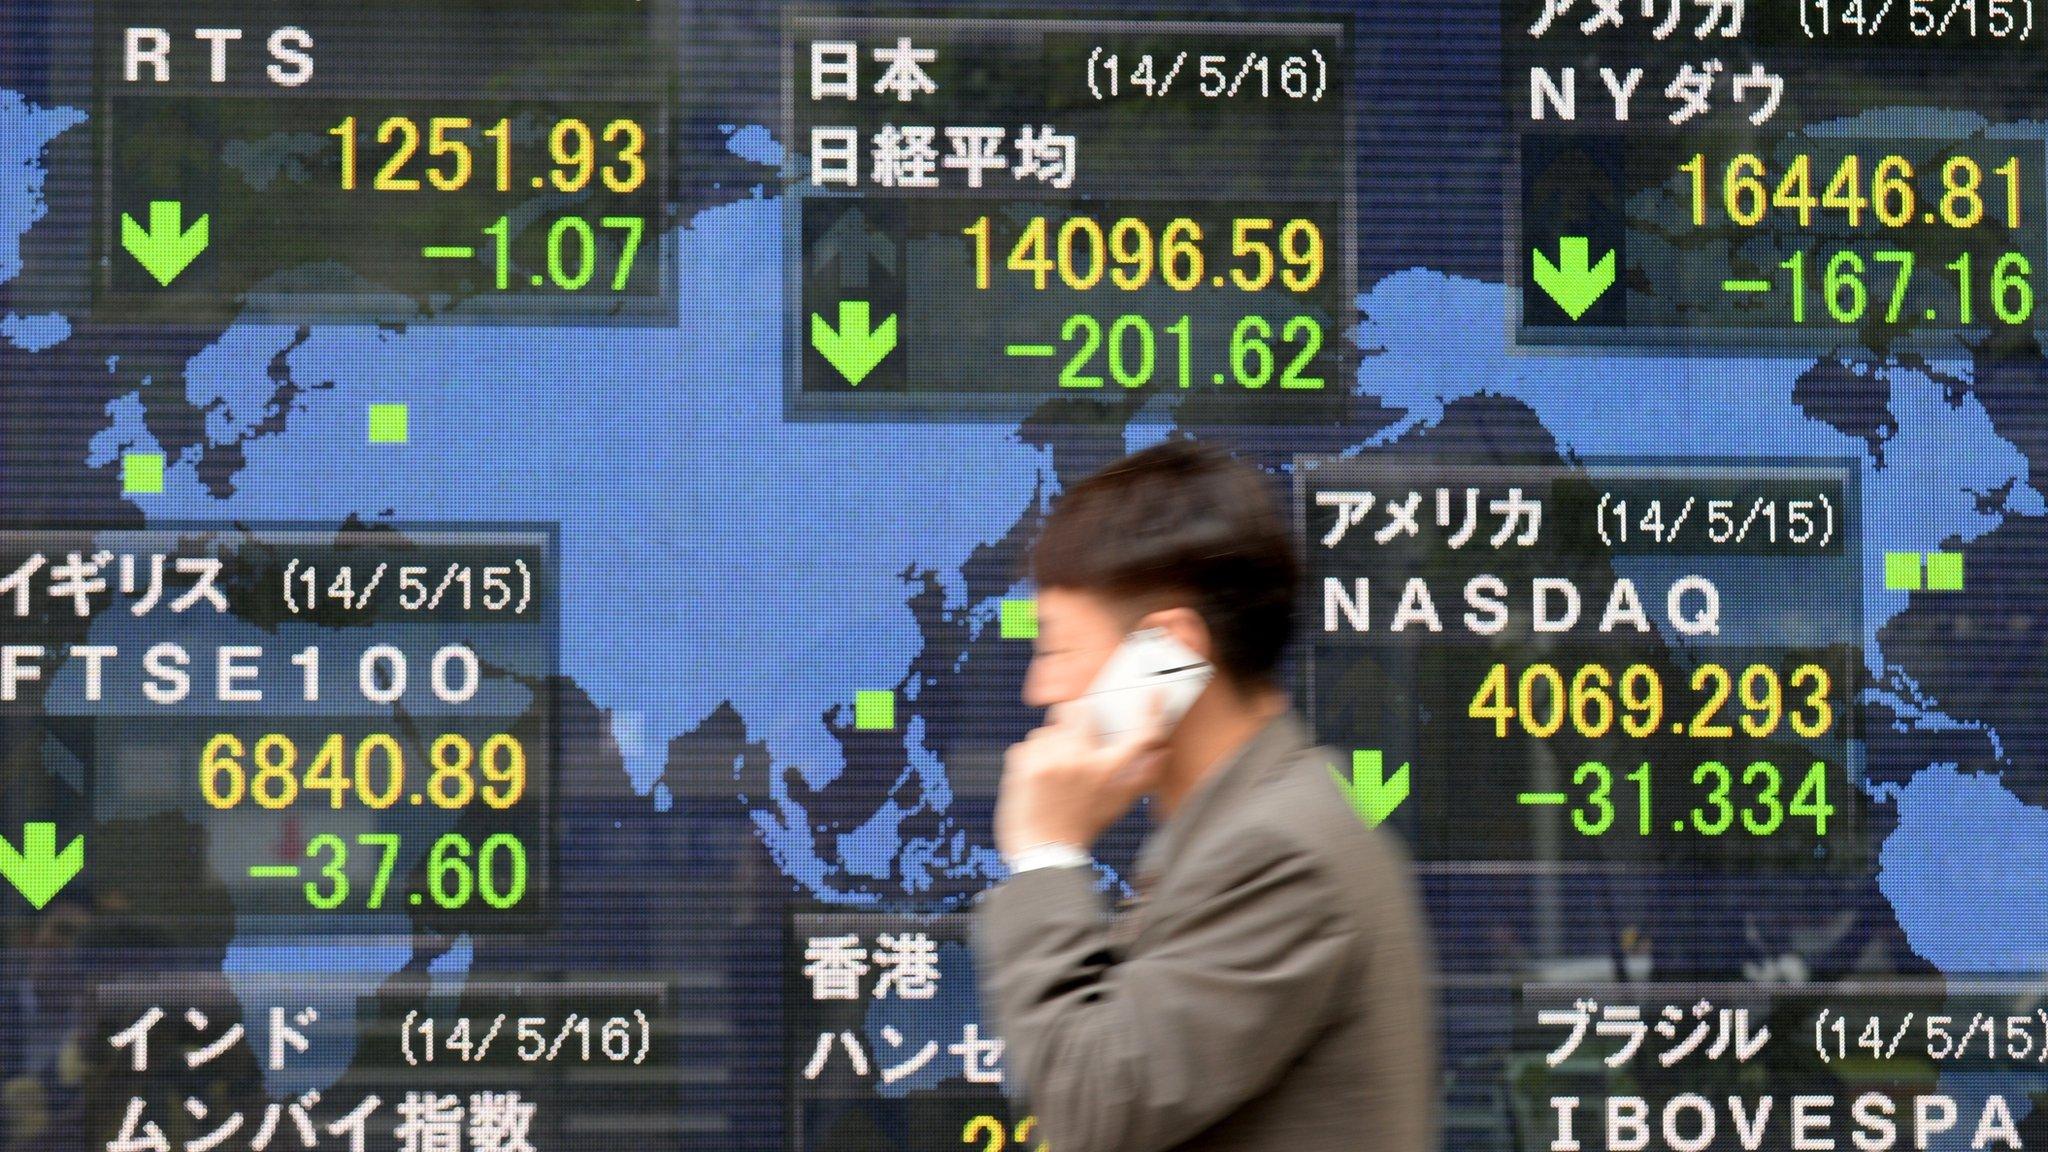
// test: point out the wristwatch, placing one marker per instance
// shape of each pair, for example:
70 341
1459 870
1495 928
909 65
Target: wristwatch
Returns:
1049 855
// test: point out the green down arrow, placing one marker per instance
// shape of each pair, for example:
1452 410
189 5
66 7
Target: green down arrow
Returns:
167 247
1373 794
39 871
1573 282
855 348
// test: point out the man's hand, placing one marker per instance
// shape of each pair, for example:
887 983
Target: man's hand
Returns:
1062 787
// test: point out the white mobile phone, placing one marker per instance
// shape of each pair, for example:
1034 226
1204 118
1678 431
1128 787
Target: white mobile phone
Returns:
1149 664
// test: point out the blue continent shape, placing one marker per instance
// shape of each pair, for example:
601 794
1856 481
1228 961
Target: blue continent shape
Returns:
1964 906
25 129
711 552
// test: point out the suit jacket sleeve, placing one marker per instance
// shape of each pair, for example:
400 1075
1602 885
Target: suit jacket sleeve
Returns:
1232 983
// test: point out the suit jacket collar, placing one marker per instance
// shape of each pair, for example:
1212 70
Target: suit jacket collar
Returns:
1276 743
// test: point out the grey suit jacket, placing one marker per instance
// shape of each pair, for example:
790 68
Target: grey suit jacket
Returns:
1271 992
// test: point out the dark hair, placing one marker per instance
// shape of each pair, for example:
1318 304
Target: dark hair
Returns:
1181 523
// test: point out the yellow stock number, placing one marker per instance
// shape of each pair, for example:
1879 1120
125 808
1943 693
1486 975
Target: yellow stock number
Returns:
1128 254
988 1132
1595 700
452 143
269 772
1746 189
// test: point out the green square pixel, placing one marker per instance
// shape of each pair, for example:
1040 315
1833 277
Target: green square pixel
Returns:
1944 571
874 711
1020 619
1902 571
142 473
387 424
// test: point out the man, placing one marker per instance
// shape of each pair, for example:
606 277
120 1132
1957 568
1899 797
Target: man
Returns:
1270 988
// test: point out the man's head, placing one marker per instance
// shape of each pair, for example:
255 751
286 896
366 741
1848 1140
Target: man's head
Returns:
1179 537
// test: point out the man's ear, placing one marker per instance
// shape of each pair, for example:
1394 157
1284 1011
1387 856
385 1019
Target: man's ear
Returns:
1185 625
